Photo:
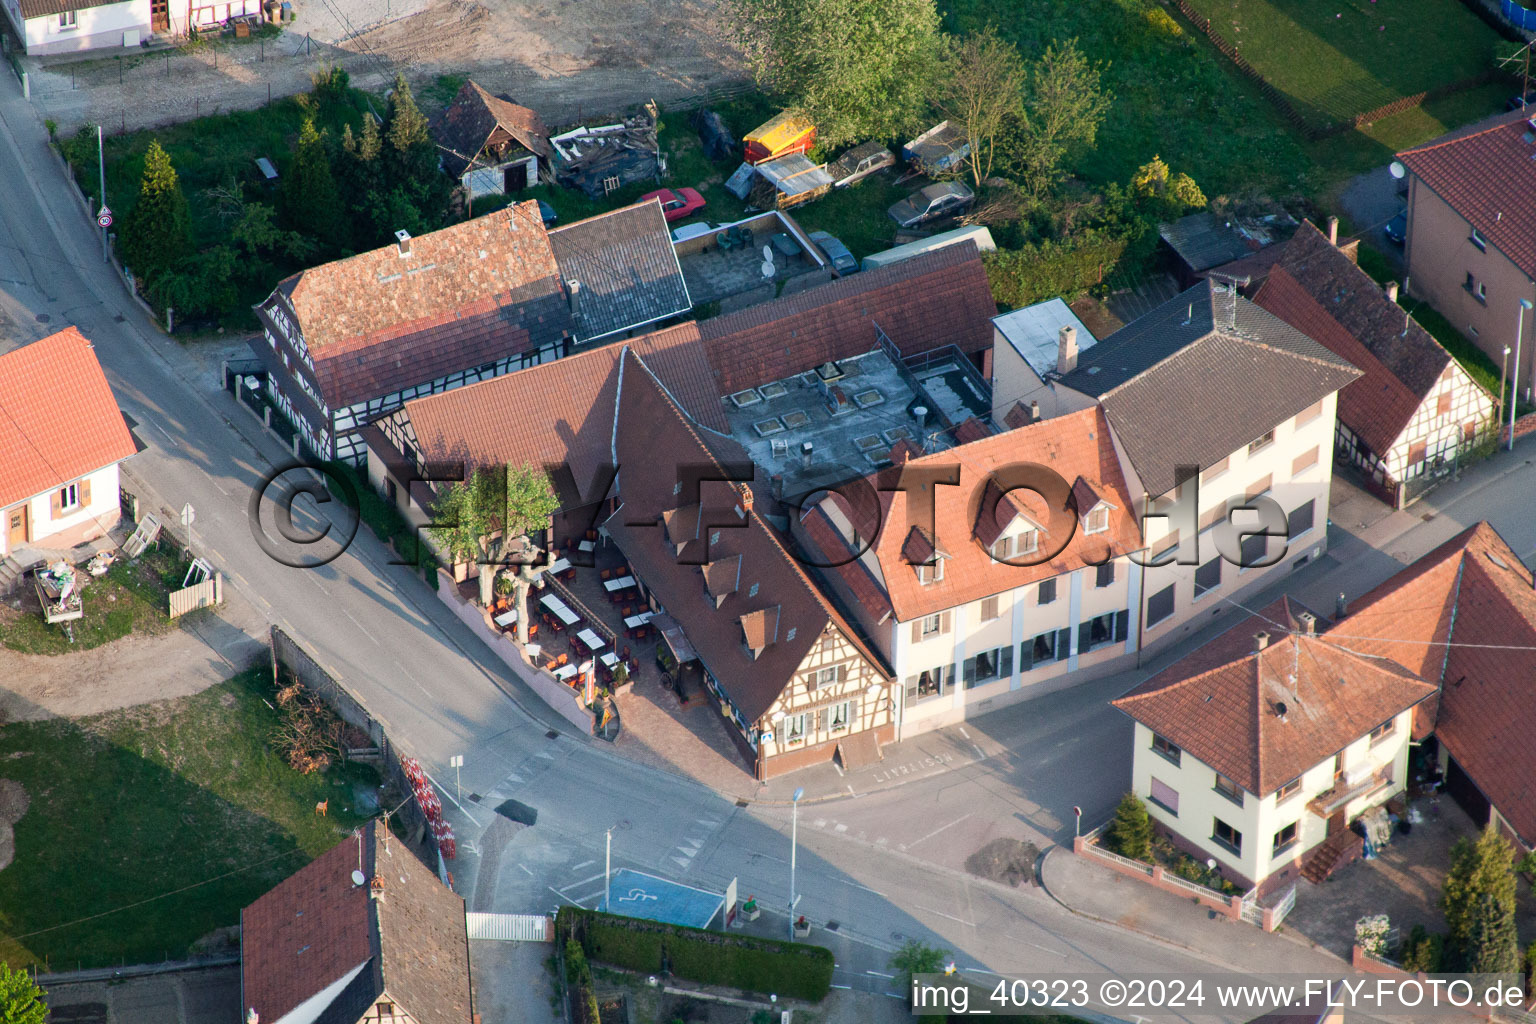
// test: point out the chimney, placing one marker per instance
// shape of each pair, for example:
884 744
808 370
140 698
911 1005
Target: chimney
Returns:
1339 608
1391 289
805 454
1333 231
1260 640
746 498
1066 349
1034 411
403 240
573 295
252 1017
1308 623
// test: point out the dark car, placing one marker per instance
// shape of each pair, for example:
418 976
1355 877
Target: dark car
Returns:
941 200
1515 102
547 213
842 260
1396 229
859 163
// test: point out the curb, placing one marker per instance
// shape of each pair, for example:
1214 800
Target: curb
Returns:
109 974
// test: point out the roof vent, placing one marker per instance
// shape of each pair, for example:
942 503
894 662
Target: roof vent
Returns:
1280 710
829 371
1034 411
1260 640
403 240
376 888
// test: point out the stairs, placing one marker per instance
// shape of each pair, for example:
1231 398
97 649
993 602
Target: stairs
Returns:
10 575
1339 849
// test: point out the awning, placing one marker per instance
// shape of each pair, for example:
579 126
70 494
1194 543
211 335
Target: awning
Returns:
859 750
676 639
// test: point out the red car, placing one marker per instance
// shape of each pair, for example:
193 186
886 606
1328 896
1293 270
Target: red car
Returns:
677 203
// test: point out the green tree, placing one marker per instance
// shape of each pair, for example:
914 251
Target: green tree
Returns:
982 90
917 957
309 201
1064 104
1478 870
490 515
857 69
157 233
415 192
360 169
1165 195
1131 832
1493 945
21 1001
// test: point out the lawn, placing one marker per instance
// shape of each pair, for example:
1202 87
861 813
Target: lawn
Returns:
130 598
1338 59
153 826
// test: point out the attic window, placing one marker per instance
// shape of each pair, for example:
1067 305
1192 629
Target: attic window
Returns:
1496 560
1097 519
930 573
791 634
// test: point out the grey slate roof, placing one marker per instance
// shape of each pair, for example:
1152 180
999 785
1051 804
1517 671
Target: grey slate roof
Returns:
1178 390
628 270
1203 241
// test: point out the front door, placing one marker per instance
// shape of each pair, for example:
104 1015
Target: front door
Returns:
1336 822
160 15
16 528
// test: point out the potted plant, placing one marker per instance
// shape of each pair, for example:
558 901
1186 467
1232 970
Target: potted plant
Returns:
802 927
750 911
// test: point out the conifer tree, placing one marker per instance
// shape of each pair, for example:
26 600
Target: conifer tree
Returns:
310 200
157 233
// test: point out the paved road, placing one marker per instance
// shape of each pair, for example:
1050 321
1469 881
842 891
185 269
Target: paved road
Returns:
883 866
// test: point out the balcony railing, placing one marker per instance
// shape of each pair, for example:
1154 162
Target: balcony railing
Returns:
1326 803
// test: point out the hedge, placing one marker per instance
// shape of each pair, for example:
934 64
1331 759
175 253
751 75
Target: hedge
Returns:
1047 269
711 958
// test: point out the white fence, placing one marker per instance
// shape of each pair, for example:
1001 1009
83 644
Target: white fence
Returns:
510 927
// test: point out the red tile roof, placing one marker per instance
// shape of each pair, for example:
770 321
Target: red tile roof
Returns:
1378 406
939 298
58 419
316 928
1263 717
1485 173
1075 445
1464 616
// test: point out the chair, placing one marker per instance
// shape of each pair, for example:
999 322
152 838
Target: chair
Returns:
533 629
592 535
564 659
570 543
569 575
607 574
551 665
628 611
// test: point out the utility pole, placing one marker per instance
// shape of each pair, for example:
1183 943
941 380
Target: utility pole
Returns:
794 836
608 873
103 218
1514 390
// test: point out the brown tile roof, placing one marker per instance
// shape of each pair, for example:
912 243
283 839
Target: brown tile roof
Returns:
832 558
1377 406
561 412
316 928
1485 173
939 298
464 127
1464 616
58 419
348 304
722 577
996 512
1262 718
1077 444
1200 376
970 429
628 271
648 424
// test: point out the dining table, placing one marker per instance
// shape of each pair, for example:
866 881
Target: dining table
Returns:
591 640
636 621
557 567
560 609
587 547
622 583
565 672
506 618
609 659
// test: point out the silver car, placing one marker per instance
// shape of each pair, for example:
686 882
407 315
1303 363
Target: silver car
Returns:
942 200
842 260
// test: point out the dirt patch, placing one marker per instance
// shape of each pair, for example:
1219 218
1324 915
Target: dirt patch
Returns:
13 804
1004 860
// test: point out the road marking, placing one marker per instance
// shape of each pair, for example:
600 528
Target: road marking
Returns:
584 864
562 895
584 881
851 792
168 437
838 768
840 986
979 752
879 975
940 913
840 827
449 797
964 733
866 888
1046 949
936 831
525 870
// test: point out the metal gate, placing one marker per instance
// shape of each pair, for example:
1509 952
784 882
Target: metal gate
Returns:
510 927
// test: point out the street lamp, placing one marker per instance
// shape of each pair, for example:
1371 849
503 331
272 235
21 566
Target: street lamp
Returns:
1514 389
794 835
1503 378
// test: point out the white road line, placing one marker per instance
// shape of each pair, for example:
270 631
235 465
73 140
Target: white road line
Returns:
584 864
525 870
964 733
838 767
979 752
584 881
840 986
449 797
562 895
581 900
168 437
940 913
936 831
1045 949
851 792
879 975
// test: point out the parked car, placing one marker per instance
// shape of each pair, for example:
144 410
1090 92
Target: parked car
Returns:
941 200
859 163
1396 229
547 213
1515 102
842 260
677 203
688 231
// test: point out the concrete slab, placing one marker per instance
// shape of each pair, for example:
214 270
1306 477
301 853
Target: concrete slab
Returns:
512 985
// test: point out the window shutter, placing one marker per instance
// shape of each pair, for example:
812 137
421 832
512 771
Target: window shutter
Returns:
1122 624
1084 636
917 630
1063 644
969 672
944 623
85 491
821 720
55 505
1026 655
989 609
1005 663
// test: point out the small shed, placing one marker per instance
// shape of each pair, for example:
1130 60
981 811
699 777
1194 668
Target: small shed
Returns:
788 181
780 135
940 148
490 144
1200 242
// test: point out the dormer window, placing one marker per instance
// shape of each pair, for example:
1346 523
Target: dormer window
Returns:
1097 520
931 573
1024 542
1091 506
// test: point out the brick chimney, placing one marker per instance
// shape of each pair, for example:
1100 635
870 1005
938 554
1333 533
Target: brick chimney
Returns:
1034 411
403 240
1066 349
1391 289
1308 623
1260 640
1333 231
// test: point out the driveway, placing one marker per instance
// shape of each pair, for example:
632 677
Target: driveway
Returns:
209 995
1369 201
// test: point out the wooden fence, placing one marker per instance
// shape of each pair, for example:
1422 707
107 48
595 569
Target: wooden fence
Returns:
200 595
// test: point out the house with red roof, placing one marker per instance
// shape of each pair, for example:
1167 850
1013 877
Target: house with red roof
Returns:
62 438
1471 241
1404 424
363 933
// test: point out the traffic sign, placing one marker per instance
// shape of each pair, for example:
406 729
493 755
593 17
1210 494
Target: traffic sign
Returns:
188 514
104 218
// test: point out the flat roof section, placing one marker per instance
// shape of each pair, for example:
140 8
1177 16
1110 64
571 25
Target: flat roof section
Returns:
1033 332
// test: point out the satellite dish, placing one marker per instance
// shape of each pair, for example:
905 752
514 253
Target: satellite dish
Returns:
358 878
1210 862
767 268
1397 168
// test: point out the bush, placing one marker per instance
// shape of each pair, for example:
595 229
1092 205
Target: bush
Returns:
1046 269
1131 833
1422 951
712 958
385 519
